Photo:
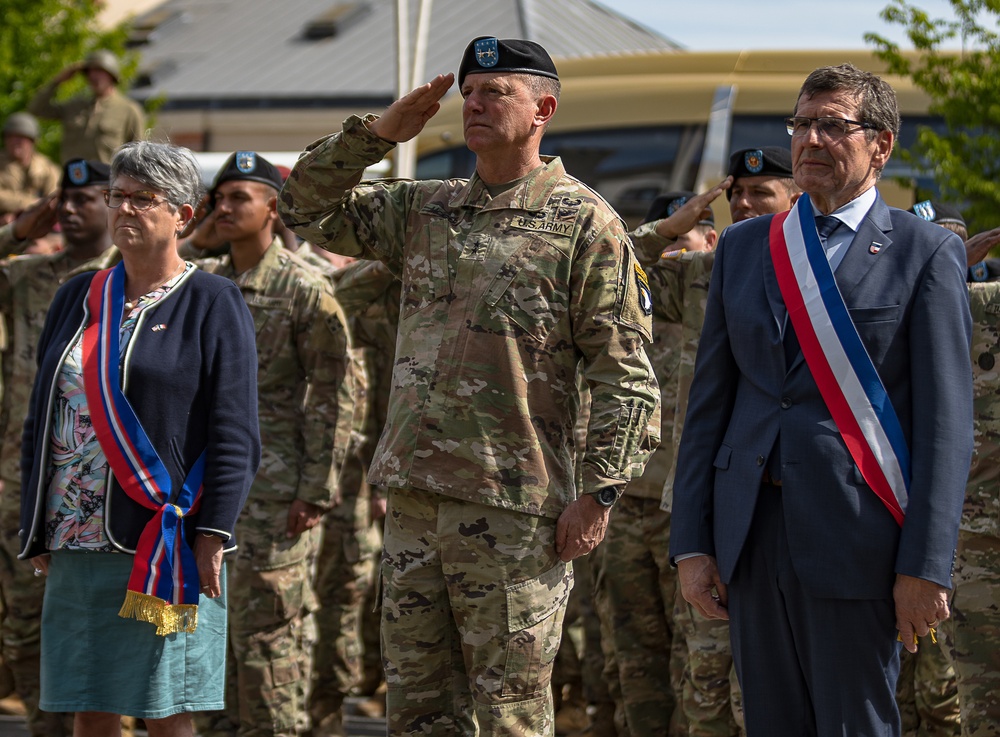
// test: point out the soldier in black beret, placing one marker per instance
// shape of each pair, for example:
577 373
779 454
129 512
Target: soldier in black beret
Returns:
489 55
947 216
762 182
248 166
84 173
521 223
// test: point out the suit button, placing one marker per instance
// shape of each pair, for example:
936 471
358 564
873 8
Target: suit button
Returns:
786 402
760 460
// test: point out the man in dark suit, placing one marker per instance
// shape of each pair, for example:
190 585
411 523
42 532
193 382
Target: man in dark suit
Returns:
775 525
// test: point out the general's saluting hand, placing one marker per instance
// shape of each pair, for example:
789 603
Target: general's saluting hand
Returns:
408 115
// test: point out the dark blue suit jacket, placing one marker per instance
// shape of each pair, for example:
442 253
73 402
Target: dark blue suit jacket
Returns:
909 304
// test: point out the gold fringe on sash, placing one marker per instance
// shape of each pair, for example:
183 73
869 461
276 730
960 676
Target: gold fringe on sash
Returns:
168 618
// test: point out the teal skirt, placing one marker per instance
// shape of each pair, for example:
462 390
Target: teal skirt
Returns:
94 660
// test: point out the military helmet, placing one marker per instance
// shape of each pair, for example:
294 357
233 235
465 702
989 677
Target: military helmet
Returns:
103 59
22 124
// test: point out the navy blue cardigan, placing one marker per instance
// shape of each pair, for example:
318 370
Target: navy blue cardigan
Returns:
190 374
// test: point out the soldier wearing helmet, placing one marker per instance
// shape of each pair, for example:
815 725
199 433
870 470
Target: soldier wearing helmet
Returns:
25 174
93 125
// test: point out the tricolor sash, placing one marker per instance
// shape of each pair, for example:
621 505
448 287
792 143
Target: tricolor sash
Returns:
163 587
840 365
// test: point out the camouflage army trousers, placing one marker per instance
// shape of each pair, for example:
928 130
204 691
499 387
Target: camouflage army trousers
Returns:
926 692
473 600
344 572
974 633
269 661
22 593
710 693
641 586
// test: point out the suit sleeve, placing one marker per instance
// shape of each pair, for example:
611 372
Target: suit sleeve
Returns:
710 404
941 437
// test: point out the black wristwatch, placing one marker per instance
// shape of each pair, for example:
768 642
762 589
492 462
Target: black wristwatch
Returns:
605 497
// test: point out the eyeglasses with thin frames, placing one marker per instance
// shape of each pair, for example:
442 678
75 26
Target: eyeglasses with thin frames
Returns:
830 128
140 200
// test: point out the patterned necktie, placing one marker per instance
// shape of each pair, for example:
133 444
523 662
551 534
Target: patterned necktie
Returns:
825 225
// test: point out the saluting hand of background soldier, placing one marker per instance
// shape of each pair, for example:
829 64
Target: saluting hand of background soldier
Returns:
408 115
979 246
687 215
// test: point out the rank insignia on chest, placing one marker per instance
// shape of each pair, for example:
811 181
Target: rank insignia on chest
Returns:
645 295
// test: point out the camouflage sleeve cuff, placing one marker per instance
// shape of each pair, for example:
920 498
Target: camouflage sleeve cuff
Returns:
649 244
358 147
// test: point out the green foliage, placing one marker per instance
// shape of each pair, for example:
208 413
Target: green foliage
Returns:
964 87
38 38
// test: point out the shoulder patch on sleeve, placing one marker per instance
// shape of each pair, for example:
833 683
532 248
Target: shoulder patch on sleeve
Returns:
634 305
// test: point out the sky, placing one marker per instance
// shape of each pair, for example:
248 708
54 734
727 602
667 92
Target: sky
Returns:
725 25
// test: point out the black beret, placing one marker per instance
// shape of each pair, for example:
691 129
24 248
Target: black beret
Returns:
250 167
84 173
938 212
487 54
667 204
767 161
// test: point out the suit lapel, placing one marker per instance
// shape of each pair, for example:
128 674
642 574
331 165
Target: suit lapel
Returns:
771 288
869 244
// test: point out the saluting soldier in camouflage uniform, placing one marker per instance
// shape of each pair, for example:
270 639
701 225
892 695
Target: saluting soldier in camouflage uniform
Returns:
27 285
302 349
638 580
35 222
94 125
513 282
759 182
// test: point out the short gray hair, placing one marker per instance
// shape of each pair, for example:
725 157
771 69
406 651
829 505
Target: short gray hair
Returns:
170 169
540 86
877 105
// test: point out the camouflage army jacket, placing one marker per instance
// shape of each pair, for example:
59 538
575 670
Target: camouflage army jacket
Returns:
92 128
302 349
981 513
27 286
20 186
679 285
504 301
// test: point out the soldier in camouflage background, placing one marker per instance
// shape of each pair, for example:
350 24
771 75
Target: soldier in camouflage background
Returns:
926 691
759 182
302 349
27 285
973 631
369 296
512 282
637 577
34 222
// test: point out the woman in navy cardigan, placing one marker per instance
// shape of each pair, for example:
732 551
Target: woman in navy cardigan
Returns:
138 453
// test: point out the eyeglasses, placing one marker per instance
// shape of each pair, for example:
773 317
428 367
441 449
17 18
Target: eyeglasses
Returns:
139 200
799 125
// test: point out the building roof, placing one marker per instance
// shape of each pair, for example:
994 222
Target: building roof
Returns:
321 53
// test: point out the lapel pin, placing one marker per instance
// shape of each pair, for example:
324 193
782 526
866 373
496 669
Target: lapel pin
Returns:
875 247
158 328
